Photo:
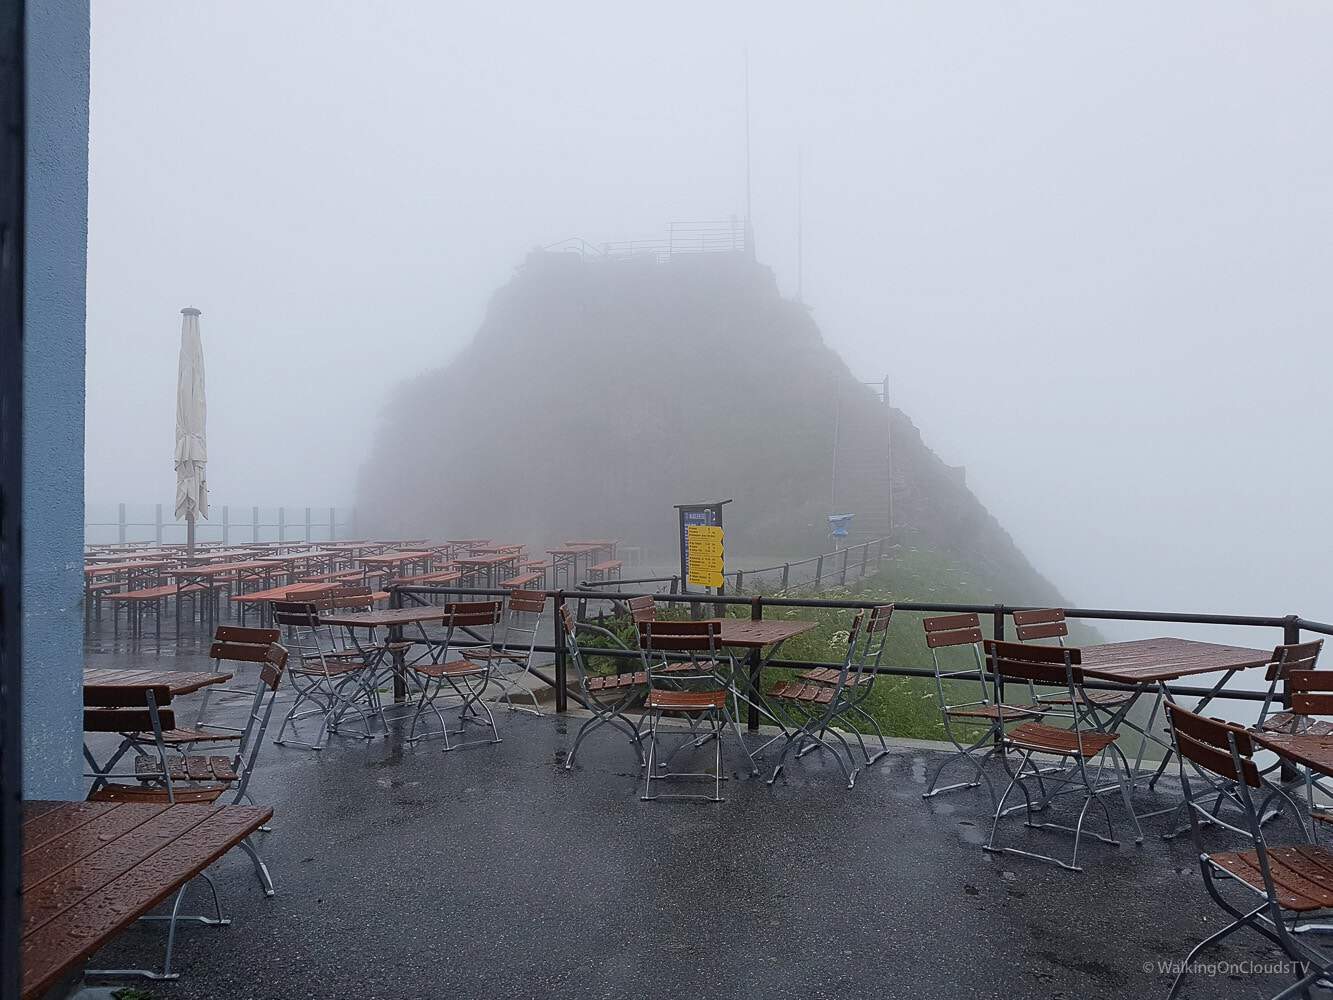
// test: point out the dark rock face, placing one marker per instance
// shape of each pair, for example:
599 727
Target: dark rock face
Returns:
597 393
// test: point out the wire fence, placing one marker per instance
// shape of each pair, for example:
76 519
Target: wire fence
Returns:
831 569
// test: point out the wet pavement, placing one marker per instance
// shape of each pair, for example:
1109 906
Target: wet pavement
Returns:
494 872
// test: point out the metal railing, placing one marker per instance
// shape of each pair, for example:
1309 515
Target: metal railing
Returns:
228 523
828 569
1291 627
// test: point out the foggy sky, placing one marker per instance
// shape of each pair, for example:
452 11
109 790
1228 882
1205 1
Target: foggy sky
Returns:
1087 242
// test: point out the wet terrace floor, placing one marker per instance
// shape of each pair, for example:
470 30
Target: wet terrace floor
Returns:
495 872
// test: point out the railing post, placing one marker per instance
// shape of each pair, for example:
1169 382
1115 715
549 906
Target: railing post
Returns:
675 585
282 524
879 557
307 524
740 582
998 629
819 571
333 524
254 524
786 572
226 524
120 527
157 523
561 657
842 581
1291 634
756 666
865 558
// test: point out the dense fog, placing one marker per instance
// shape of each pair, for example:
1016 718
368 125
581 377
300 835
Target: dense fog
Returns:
1083 241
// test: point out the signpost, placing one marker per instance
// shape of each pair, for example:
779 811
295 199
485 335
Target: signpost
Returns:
701 545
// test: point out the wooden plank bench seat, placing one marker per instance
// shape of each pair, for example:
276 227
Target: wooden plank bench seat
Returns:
90 869
606 566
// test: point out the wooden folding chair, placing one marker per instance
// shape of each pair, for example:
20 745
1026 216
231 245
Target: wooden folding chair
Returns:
1286 885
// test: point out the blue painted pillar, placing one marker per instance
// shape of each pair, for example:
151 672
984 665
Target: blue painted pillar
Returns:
55 269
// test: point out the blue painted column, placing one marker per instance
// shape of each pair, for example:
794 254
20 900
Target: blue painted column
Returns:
53 372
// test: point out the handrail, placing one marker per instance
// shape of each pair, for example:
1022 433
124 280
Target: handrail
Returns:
1290 624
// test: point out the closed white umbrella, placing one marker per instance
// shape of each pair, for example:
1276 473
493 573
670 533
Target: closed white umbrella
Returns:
191 429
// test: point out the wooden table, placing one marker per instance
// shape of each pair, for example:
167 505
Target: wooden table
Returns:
755 636
397 563
393 619
90 869
1314 752
1149 664
179 681
567 557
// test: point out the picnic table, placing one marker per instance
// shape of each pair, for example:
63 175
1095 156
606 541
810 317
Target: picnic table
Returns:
566 557
208 574
483 568
90 869
1150 664
598 546
397 561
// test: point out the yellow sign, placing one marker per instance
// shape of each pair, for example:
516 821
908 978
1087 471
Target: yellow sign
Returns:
704 550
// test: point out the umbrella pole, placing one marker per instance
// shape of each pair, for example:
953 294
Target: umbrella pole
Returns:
189 536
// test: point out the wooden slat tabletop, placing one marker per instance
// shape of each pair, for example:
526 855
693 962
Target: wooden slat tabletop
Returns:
1313 751
391 558
385 617
1148 661
756 635
90 869
180 681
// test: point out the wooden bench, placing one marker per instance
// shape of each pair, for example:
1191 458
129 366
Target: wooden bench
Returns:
91 869
519 582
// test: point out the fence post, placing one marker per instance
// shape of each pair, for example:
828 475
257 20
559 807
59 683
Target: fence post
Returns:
740 581
254 524
226 524
282 524
120 534
561 658
843 579
756 665
879 557
865 558
819 571
307 524
786 572
157 524
333 524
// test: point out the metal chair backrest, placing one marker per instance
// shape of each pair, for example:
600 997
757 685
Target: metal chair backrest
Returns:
261 710
346 597
698 641
947 631
109 708
1054 666
865 642
1041 623
296 614
240 644
532 602
1220 748
1311 692
473 614
1288 660
642 609
1295 656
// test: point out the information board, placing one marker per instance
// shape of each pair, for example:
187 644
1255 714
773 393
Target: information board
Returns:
703 545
